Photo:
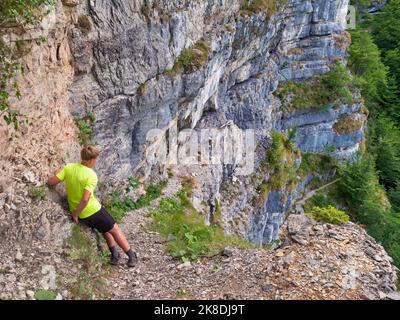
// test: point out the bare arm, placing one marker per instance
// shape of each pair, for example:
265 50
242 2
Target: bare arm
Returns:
82 205
53 181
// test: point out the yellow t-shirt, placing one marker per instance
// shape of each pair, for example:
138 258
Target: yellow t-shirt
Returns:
77 179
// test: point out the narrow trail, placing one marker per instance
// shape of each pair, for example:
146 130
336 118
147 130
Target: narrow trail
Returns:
334 264
159 276
312 193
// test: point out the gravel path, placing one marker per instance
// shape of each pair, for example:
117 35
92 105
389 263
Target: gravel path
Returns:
335 262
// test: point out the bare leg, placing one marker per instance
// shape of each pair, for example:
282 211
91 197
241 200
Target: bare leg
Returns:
119 238
109 239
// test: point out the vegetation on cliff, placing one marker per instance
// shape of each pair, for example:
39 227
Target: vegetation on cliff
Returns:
318 92
369 187
16 14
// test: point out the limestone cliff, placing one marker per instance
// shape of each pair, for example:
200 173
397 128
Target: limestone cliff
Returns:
123 60
120 62
135 66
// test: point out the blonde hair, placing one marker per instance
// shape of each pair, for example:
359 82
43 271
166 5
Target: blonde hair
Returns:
89 153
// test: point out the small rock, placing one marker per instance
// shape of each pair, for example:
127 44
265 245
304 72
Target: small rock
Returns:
289 258
186 264
29 176
30 294
229 296
22 295
279 253
299 240
227 252
19 256
43 229
59 296
267 287
382 295
393 296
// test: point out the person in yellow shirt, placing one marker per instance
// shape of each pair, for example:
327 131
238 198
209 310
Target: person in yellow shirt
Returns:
81 181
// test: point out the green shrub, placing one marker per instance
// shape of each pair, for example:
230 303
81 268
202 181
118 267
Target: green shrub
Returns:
142 89
45 295
281 159
321 200
91 116
347 124
118 206
316 163
133 183
280 163
318 92
191 237
292 134
85 131
37 193
153 192
89 284
24 13
330 148
88 287
191 59
146 8
82 249
328 215
268 6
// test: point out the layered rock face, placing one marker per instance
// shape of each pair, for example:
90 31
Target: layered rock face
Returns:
119 60
114 59
30 154
123 58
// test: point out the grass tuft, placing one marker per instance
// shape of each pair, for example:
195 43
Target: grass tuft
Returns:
320 92
191 59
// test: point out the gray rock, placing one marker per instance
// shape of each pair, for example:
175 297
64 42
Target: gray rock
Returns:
43 229
393 296
267 287
184 265
227 252
299 240
19 256
29 176
30 294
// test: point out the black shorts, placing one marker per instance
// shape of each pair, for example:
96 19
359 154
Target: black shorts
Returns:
101 221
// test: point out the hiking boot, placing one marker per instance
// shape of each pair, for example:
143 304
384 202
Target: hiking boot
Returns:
114 255
133 260
114 259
